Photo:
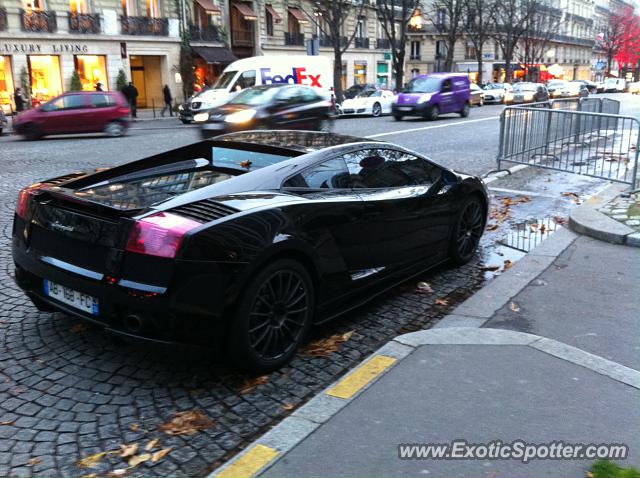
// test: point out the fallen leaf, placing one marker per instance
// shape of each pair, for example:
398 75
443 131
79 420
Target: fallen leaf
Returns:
136 460
560 220
7 423
78 328
543 228
574 196
507 264
128 450
91 461
134 427
442 302
324 347
90 475
424 287
187 423
159 455
251 383
534 227
152 444
515 307
34 461
288 406
246 164
491 227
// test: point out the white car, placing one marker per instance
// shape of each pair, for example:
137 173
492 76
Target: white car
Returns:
614 85
498 93
374 103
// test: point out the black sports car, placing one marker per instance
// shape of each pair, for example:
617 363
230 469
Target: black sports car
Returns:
244 241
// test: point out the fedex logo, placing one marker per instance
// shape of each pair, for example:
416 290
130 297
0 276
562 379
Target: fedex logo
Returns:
298 76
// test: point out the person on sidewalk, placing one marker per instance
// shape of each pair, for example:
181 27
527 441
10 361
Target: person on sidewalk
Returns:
131 94
99 87
166 93
20 100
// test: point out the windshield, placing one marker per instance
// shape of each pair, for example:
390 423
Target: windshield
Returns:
225 80
494 86
557 83
254 96
423 85
525 87
369 93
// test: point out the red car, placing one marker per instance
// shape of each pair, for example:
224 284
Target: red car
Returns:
76 112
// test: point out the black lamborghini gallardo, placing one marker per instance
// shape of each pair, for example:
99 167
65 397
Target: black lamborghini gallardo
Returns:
243 241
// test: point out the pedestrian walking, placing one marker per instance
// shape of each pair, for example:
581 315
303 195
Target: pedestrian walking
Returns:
20 100
99 87
166 93
131 94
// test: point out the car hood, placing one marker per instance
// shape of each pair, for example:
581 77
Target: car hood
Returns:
355 102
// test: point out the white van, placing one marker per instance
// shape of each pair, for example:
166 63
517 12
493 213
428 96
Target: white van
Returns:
614 85
262 70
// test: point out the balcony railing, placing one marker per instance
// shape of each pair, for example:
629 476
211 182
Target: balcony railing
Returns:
361 42
3 19
36 21
208 33
242 37
144 26
84 23
294 38
415 57
383 43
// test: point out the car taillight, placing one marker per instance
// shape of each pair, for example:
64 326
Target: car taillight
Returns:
24 198
160 234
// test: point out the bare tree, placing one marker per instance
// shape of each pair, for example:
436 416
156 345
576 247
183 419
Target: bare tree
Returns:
394 16
446 16
509 18
332 19
541 24
478 27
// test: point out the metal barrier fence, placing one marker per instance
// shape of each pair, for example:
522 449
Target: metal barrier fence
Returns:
584 142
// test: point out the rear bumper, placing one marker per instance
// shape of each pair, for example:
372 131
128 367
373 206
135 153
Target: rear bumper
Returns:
190 311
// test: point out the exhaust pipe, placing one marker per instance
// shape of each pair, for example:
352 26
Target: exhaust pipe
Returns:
133 323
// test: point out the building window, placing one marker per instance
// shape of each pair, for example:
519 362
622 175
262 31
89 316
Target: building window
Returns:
92 70
415 50
34 5
46 79
470 51
6 85
153 10
128 8
441 17
360 29
269 22
414 72
79 6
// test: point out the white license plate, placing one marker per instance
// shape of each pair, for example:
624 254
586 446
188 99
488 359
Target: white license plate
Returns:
213 126
71 297
405 108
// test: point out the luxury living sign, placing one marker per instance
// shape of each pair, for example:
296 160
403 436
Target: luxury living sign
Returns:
36 48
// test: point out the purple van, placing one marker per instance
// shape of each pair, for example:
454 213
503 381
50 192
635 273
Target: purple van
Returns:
432 95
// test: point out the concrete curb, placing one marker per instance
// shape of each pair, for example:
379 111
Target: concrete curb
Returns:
587 220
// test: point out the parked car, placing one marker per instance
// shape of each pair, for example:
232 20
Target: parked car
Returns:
556 87
634 88
370 102
498 93
269 107
591 86
575 89
477 95
614 85
356 90
526 92
3 121
76 112
241 243
434 94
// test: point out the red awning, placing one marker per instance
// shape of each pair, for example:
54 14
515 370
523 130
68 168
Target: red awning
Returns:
298 15
246 11
209 7
276 18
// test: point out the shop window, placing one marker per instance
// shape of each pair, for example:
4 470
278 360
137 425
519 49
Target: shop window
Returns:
79 6
359 73
92 70
344 75
6 85
46 80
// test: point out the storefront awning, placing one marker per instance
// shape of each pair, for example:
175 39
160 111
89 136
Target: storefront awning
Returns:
246 11
209 7
276 18
214 54
298 15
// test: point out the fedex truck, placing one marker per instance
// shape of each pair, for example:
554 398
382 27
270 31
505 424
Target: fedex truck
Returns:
312 71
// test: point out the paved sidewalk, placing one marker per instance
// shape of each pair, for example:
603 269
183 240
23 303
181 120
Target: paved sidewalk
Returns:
548 351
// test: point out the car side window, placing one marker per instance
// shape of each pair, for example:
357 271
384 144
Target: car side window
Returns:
101 101
290 96
246 80
54 105
74 102
388 168
446 85
308 96
330 174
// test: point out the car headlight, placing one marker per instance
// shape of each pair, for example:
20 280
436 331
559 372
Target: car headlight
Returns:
181 108
424 98
528 96
201 117
508 96
240 116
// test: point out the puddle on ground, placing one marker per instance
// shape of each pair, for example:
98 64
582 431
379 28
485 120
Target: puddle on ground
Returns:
521 238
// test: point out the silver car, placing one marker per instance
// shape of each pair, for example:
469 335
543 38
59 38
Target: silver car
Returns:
498 93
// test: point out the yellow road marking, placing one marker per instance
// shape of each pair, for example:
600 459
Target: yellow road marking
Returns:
250 463
352 384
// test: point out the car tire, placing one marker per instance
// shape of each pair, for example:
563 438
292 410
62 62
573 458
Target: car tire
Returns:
465 110
433 113
115 129
32 132
468 229
273 316
481 102
376 110
185 121
397 117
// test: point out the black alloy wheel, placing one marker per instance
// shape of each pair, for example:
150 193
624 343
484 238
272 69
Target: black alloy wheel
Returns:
273 316
468 231
376 110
